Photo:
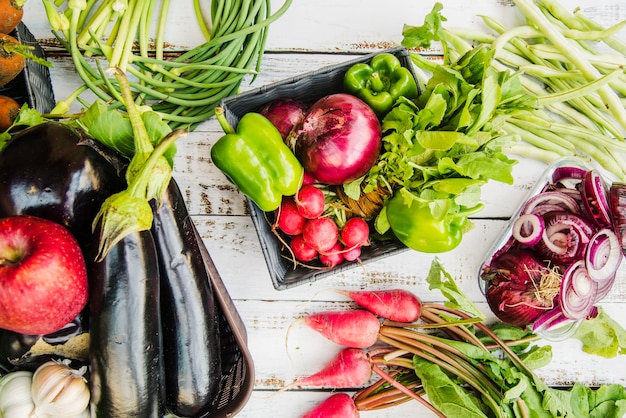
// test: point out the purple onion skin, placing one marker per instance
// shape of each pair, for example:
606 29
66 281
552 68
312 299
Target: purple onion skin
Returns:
284 114
339 139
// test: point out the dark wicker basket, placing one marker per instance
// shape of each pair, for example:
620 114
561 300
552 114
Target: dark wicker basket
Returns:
308 88
33 85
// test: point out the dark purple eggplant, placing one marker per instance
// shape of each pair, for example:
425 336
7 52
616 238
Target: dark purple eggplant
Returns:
189 312
125 355
54 172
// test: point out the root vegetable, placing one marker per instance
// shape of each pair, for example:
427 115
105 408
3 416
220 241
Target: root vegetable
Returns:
288 217
395 304
338 140
11 62
11 13
9 109
321 233
301 250
339 405
310 201
332 257
351 368
356 328
355 233
284 114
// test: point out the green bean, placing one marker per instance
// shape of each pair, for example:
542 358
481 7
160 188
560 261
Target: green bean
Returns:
183 89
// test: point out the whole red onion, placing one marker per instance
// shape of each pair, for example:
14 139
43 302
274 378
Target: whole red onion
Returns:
514 293
284 114
338 140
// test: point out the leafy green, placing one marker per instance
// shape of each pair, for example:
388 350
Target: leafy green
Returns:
439 278
447 143
602 336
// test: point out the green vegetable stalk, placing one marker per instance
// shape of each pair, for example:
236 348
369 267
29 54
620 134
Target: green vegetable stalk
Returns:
380 82
256 160
184 90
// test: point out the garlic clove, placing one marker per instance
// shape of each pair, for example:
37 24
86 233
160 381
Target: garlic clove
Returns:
60 390
15 396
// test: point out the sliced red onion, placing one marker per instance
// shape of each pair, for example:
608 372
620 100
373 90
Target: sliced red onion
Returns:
565 238
594 199
603 256
528 229
552 197
578 291
568 173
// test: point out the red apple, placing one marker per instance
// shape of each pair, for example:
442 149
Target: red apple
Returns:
43 277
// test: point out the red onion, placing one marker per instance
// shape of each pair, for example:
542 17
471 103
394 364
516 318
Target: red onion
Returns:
603 256
565 237
518 291
578 291
552 197
528 229
284 114
594 199
338 140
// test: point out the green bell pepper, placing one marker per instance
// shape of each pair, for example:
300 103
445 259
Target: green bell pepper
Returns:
256 160
381 82
414 224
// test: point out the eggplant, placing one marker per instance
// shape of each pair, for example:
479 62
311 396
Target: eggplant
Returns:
55 172
125 356
189 311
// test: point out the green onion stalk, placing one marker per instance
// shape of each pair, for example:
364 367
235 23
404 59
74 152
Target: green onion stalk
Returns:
182 87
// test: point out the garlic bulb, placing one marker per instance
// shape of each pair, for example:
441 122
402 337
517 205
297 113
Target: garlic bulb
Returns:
15 398
59 390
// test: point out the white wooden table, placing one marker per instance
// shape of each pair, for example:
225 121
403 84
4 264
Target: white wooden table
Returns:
310 35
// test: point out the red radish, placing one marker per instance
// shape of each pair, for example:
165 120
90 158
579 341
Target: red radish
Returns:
321 233
355 328
301 250
394 304
310 201
339 405
308 179
350 368
332 257
288 217
355 233
352 254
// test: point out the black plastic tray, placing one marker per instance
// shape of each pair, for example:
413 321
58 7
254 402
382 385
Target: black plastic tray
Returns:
33 85
308 87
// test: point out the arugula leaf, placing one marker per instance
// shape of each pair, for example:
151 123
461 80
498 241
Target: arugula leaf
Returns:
439 278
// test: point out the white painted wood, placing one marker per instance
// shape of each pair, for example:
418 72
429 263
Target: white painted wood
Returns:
313 34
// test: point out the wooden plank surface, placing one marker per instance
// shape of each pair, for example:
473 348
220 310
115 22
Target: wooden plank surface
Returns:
311 35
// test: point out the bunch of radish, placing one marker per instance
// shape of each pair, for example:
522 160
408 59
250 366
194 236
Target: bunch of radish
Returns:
315 236
390 337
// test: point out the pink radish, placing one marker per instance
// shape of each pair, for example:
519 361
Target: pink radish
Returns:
310 201
320 233
333 256
351 368
355 233
301 250
395 304
355 328
288 217
339 405
352 254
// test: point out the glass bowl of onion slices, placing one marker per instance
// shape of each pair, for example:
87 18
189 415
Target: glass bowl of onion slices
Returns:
560 253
